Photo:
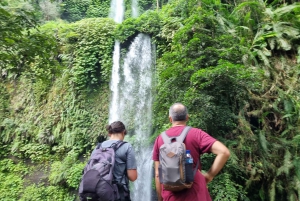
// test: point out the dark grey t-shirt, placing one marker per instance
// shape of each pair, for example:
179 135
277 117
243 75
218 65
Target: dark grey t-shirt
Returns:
125 160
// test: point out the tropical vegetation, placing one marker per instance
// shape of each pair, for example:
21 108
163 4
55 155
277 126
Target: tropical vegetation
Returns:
235 64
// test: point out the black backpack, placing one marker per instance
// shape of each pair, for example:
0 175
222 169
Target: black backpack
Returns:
97 181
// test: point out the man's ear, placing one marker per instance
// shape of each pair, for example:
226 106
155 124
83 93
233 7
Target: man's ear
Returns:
170 119
187 117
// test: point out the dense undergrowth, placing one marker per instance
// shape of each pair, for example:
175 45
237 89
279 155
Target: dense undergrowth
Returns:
235 64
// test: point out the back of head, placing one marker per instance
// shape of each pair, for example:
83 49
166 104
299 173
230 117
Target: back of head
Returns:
178 112
116 127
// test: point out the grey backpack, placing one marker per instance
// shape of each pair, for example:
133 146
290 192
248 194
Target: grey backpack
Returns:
97 181
172 168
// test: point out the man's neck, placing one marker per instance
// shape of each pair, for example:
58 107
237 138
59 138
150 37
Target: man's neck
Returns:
178 123
117 136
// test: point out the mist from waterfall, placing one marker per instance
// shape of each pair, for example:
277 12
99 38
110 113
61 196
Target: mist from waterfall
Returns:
131 101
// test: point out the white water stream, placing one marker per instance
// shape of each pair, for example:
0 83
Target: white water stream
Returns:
131 101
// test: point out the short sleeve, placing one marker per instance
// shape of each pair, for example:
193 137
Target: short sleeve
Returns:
206 141
155 154
130 159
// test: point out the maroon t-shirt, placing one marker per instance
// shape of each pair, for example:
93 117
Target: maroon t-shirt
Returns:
198 142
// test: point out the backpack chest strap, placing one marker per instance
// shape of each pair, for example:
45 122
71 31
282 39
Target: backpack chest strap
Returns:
180 138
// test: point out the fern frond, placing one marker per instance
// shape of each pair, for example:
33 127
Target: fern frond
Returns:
272 191
296 163
296 182
285 9
287 164
284 44
263 142
288 106
298 56
291 195
272 43
266 52
246 4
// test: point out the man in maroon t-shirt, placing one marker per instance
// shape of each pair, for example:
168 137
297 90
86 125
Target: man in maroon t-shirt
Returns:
198 142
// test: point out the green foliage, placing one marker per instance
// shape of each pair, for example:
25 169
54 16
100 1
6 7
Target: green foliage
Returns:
193 48
11 186
249 105
11 181
274 30
23 45
148 23
222 87
145 5
222 188
234 64
41 192
36 152
92 52
74 10
4 103
68 171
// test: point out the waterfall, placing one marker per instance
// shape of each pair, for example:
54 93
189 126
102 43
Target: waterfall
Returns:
134 8
114 84
117 10
135 102
131 101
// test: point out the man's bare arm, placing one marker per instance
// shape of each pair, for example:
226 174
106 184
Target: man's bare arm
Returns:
132 174
157 183
223 154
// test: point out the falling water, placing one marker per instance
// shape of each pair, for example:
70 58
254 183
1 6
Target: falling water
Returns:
131 102
134 8
135 103
117 10
114 84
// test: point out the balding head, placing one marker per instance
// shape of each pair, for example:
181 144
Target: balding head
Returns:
178 112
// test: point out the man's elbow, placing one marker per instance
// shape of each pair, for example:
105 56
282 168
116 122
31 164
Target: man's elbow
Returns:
133 178
226 153
132 175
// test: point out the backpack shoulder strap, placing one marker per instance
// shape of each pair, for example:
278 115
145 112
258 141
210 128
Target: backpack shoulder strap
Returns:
117 145
165 138
183 134
179 138
98 145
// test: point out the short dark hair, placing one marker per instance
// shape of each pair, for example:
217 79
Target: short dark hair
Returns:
116 127
178 112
